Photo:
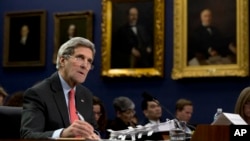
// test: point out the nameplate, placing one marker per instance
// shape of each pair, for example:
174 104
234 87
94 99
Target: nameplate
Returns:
228 119
239 132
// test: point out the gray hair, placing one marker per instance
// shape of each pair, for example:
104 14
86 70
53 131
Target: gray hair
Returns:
123 103
68 48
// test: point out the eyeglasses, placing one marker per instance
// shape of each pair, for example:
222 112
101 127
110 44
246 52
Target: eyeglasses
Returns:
127 112
81 60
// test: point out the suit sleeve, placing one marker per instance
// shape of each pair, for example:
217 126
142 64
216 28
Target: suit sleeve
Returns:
33 117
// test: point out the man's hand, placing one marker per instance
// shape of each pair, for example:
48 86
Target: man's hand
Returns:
80 129
136 52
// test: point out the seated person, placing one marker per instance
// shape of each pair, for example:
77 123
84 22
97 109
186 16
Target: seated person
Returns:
124 109
242 106
100 116
151 110
183 112
16 99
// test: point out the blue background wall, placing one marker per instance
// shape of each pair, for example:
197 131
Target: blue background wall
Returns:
206 93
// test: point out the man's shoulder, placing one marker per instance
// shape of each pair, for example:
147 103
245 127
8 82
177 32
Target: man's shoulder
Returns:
83 88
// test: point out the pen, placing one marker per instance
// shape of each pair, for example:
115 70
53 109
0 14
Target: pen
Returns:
80 116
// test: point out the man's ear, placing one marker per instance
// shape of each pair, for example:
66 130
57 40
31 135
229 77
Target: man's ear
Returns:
145 112
62 61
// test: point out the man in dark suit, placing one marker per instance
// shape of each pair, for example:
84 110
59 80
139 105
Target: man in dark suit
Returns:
152 111
206 41
47 107
132 46
183 113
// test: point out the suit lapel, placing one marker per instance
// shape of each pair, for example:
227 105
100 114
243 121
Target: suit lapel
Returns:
60 99
80 101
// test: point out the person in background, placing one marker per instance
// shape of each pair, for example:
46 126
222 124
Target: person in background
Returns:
183 112
135 119
152 110
124 109
16 99
242 106
59 106
100 116
3 95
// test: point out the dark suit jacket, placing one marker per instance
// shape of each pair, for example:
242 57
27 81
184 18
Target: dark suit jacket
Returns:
45 109
30 51
154 136
124 40
201 40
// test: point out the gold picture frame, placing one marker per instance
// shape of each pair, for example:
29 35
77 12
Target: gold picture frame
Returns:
24 39
181 66
78 23
110 20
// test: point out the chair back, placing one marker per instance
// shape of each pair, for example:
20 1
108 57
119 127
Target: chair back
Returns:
10 122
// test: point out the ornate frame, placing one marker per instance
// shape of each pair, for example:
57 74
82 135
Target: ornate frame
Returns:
182 70
157 69
83 20
35 23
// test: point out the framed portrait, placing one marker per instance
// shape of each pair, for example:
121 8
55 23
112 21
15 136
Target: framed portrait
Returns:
24 39
211 40
132 38
72 24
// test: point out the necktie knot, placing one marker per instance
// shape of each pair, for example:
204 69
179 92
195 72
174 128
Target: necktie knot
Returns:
71 94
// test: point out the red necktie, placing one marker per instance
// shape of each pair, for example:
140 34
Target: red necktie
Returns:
72 107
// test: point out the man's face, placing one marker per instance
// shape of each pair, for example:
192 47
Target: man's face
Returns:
75 68
71 30
126 116
153 111
133 16
206 17
24 31
185 114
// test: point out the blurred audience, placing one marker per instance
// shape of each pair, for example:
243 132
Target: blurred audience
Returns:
183 112
16 99
152 110
242 106
100 116
135 119
124 109
3 95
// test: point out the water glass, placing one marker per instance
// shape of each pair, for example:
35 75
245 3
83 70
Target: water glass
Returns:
177 134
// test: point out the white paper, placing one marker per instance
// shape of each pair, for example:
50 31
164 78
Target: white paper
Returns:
166 126
229 118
